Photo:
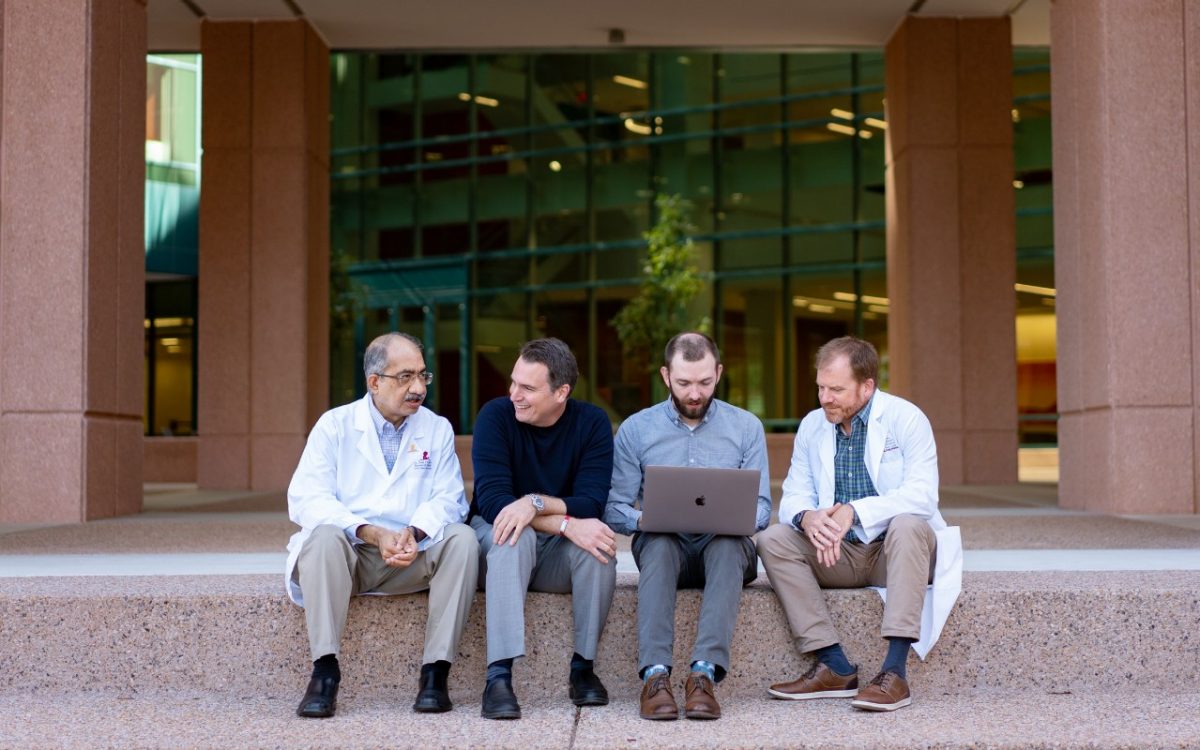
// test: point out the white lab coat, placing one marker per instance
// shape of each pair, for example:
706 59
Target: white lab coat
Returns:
343 480
902 461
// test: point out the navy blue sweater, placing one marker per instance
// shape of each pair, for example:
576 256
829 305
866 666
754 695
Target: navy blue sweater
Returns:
571 459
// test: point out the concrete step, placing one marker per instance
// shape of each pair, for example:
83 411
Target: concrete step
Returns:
1021 634
256 719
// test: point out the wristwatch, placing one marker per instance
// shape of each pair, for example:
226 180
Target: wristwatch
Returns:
538 503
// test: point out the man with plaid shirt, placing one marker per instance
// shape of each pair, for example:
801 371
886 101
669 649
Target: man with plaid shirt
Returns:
859 509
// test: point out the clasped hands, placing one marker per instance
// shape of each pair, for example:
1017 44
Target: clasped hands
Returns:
825 528
397 548
590 534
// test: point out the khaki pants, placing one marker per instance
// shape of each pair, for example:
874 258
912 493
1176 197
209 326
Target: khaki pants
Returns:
903 562
330 570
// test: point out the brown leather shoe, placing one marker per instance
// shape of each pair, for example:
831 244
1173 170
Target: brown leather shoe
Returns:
700 698
818 682
886 692
658 702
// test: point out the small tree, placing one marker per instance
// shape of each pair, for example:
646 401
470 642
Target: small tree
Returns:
670 281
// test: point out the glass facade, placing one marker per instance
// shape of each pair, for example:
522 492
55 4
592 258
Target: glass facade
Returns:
1037 399
480 200
172 232
483 200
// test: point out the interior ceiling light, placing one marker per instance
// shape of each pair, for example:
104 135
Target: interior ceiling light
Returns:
485 101
555 166
826 309
636 127
875 122
631 82
1044 291
842 113
1018 184
865 134
837 127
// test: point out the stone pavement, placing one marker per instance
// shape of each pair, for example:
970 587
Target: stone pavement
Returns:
170 629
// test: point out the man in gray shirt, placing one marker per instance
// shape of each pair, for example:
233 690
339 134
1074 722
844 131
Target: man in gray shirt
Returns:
691 428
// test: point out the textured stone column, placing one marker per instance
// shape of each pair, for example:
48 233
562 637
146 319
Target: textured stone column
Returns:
264 250
950 239
1126 92
72 262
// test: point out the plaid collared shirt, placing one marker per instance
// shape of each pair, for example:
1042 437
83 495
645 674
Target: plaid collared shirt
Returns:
390 438
851 481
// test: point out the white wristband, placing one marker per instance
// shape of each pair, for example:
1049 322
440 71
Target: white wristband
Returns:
562 528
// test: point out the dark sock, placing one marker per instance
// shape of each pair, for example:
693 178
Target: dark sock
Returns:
437 667
501 669
835 658
897 656
578 662
327 666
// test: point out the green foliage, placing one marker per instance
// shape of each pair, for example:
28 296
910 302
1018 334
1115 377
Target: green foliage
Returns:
347 297
670 281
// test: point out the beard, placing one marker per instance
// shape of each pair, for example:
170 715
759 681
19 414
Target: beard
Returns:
691 411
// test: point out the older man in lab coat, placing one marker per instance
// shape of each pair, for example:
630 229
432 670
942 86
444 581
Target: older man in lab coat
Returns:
859 509
378 495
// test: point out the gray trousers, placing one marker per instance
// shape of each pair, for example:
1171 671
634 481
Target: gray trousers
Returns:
903 562
541 562
330 570
721 565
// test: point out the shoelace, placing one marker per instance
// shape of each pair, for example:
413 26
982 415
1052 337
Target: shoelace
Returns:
658 683
881 678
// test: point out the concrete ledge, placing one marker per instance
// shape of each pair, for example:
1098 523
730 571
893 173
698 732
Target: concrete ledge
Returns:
169 459
1012 632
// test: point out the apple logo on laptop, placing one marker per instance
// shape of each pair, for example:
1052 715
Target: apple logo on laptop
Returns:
700 500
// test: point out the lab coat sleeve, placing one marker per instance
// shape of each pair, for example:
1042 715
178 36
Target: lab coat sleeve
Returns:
312 494
917 491
800 486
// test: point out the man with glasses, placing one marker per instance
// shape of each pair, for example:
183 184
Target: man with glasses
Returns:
378 495
543 464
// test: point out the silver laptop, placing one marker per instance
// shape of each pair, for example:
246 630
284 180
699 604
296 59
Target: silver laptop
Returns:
694 500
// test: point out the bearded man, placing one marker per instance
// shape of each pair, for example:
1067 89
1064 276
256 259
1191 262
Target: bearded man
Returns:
690 428
860 508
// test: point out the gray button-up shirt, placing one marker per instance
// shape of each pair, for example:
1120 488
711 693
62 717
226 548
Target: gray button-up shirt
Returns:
727 438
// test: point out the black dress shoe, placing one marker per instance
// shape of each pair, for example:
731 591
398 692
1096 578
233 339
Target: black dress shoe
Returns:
320 700
499 701
586 689
432 695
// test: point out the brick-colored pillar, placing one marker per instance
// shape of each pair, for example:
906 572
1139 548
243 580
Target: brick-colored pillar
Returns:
1126 92
950 239
264 250
72 262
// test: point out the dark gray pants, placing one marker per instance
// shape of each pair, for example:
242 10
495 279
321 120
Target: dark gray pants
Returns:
720 565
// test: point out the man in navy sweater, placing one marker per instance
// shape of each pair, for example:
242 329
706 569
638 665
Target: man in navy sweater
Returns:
543 468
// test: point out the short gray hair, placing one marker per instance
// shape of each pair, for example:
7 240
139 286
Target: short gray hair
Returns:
376 357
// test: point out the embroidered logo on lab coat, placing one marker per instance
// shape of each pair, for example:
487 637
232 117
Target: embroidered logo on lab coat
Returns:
424 462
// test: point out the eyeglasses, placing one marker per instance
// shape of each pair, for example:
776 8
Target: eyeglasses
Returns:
405 378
